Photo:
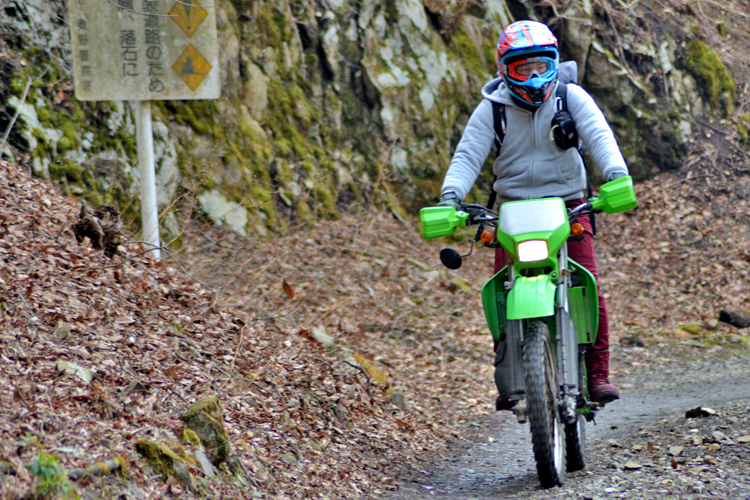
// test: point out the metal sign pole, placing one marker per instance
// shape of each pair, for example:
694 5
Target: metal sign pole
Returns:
160 51
149 209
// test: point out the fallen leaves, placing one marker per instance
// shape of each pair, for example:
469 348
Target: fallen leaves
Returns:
112 350
288 290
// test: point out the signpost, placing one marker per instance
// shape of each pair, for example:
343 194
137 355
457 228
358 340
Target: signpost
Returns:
144 50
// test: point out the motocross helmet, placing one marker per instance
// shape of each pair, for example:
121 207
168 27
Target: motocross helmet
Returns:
527 59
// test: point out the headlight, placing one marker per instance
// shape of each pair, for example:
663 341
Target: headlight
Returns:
532 250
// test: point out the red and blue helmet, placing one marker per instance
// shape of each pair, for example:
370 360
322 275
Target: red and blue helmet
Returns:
528 59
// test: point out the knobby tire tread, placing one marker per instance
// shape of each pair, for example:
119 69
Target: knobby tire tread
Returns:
541 394
575 445
575 437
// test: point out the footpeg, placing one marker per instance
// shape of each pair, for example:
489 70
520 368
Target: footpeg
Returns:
522 411
568 410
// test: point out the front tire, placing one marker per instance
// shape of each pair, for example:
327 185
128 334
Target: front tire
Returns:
542 389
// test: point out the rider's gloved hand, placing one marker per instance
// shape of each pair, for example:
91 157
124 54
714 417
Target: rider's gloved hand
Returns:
450 199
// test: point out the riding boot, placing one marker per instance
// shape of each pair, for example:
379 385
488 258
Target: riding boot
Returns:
597 367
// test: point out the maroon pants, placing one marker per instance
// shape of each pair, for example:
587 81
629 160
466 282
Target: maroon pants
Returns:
583 253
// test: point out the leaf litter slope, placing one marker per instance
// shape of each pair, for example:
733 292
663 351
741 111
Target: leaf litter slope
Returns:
240 324
145 341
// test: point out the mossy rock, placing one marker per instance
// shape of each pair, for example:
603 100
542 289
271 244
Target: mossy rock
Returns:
205 418
692 328
166 462
712 76
189 436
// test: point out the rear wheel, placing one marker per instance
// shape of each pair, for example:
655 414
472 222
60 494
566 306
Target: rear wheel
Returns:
542 388
575 433
575 444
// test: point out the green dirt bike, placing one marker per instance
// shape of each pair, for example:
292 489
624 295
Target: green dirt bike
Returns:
542 310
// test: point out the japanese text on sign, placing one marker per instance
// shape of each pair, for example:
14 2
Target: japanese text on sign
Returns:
144 49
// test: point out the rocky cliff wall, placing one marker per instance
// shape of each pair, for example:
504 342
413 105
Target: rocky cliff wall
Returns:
329 105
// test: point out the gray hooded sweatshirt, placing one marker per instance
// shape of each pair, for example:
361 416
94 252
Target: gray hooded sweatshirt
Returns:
530 164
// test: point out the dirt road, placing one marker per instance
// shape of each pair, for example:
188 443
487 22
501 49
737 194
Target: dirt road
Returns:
494 458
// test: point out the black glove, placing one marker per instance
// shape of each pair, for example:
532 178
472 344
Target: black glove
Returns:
450 199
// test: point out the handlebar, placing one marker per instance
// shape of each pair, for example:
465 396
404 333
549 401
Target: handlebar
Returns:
583 208
615 196
479 214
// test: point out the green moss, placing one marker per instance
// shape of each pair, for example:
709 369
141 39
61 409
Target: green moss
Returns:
300 148
17 85
257 146
65 169
189 436
64 145
37 134
283 147
712 76
204 418
304 213
187 114
44 116
262 199
692 328
274 25
325 198
743 127
478 61
78 114
166 462
54 482
69 131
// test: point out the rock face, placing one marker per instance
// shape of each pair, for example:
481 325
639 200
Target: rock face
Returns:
329 104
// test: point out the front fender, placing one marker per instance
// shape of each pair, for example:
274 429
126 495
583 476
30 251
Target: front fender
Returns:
531 297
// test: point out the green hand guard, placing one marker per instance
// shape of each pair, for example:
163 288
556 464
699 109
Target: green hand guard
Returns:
615 196
441 221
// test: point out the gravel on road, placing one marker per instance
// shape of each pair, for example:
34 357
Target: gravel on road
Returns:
682 434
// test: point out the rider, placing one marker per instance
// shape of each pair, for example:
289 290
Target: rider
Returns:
530 165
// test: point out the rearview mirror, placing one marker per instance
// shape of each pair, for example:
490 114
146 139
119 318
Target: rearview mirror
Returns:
450 258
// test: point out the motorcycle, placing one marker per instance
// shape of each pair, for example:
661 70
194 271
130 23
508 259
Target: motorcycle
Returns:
542 310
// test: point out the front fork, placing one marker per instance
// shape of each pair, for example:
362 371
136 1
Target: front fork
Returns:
568 354
567 345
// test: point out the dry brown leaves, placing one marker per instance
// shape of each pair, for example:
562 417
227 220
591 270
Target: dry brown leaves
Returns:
680 257
143 342
371 282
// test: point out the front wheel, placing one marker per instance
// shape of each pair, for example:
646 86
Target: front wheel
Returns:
542 388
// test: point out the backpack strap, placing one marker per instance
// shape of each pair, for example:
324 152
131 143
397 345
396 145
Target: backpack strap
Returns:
561 97
498 115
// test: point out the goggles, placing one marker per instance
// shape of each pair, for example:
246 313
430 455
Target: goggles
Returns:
524 69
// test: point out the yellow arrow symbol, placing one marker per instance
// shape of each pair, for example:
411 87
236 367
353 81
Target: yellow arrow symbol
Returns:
192 67
188 15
